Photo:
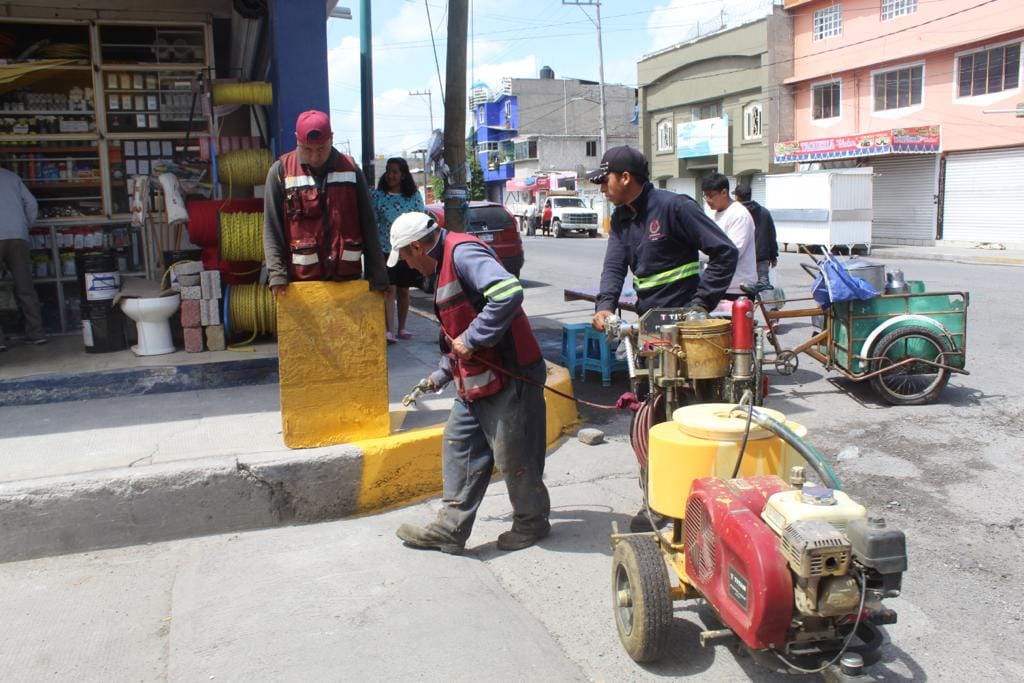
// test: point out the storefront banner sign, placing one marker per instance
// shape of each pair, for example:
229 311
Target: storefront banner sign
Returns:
528 184
918 140
706 137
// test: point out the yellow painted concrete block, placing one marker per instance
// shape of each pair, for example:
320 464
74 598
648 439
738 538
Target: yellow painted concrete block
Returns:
332 363
406 467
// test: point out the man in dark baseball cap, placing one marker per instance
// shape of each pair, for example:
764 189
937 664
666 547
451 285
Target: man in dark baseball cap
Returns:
657 235
621 159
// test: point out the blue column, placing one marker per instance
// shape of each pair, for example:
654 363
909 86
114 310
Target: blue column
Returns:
298 35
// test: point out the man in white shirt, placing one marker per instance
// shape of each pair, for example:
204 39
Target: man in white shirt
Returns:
734 219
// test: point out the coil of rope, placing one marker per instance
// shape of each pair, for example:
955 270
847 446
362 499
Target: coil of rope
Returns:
249 308
244 166
243 93
241 236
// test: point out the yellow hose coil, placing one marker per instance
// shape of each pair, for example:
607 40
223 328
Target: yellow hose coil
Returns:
251 308
244 167
241 236
242 93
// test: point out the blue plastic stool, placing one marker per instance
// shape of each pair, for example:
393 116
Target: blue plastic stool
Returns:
597 356
572 337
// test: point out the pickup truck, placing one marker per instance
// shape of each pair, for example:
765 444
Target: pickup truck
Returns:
562 215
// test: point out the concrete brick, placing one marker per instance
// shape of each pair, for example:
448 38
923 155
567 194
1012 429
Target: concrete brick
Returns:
191 293
188 281
590 436
194 339
191 313
188 268
211 308
215 338
210 284
330 338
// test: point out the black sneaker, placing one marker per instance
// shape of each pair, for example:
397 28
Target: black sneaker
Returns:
2 347
641 524
517 540
430 537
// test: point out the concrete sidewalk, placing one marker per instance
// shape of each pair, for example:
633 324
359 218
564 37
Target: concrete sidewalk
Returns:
106 472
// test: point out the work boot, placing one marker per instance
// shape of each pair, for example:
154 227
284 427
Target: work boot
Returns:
517 540
430 537
640 524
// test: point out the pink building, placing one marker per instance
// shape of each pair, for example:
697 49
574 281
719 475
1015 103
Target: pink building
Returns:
926 93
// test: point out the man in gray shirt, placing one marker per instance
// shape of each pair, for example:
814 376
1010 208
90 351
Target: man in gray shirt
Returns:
18 211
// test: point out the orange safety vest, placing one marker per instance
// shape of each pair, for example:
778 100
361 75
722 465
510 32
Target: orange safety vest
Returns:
319 250
456 311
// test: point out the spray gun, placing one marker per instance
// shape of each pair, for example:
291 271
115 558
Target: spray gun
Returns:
423 387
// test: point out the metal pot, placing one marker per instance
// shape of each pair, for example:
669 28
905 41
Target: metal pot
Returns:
872 273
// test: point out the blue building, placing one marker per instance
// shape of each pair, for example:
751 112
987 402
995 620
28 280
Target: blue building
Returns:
497 123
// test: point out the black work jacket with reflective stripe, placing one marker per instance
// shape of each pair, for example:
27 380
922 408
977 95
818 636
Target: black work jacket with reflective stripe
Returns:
658 232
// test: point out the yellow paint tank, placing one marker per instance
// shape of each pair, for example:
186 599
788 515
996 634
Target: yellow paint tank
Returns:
702 440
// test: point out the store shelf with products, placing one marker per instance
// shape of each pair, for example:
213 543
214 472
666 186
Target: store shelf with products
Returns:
152 102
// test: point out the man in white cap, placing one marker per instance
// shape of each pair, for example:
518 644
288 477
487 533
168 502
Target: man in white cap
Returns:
499 415
318 218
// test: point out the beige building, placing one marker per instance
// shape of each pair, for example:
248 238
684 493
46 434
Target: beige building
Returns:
717 103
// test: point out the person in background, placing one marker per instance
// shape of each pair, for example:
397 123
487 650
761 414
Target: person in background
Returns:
396 194
531 217
767 252
657 235
18 211
498 417
736 222
318 219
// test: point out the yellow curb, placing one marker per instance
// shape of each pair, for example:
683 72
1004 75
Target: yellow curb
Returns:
405 467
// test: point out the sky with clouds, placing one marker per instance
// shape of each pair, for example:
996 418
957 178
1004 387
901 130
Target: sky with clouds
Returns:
506 38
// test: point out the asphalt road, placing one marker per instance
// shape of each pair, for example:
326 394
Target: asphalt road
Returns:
946 473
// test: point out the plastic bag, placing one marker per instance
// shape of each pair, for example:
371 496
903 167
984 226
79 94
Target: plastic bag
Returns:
777 296
835 283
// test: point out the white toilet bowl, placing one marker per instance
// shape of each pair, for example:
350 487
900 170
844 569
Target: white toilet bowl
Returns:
151 319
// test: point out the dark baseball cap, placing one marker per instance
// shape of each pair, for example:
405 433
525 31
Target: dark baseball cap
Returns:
619 160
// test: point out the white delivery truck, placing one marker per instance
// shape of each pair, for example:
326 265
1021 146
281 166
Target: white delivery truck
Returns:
822 208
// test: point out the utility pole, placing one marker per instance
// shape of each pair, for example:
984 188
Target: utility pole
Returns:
600 61
366 88
455 190
430 104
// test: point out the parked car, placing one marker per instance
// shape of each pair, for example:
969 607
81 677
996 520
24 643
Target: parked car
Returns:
494 224
564 212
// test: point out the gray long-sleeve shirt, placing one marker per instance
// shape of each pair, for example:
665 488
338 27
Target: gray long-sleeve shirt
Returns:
479 271
275 246
18 208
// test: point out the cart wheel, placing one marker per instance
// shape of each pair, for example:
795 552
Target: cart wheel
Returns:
786 363
640 598
915 383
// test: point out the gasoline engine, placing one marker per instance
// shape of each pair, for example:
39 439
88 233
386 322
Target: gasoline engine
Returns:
796 571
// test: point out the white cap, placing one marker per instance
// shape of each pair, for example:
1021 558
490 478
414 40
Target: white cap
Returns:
406 229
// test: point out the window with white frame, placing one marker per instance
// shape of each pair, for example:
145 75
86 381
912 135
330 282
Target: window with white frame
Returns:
665 136
752 121
708 110
481 116
508 112
826 100
828 22
989 71
898 88
897 8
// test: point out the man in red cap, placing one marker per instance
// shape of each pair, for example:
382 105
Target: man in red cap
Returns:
318 217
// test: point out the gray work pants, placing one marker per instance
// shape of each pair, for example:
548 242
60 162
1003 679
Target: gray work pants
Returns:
509 430
14 255
762 272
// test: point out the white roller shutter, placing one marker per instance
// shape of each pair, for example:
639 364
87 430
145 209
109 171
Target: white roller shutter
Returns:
903 199
757 191
683 186
980 204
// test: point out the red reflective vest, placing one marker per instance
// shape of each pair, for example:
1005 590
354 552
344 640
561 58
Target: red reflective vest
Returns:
319 250
475 379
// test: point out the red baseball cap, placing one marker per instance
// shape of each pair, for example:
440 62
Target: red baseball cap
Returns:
313 127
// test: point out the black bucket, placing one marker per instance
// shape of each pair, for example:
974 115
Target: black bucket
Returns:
102 327
172 257
98 276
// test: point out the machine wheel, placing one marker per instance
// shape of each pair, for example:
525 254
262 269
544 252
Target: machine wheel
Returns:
916 383
591 233
640 598
786 363
556 228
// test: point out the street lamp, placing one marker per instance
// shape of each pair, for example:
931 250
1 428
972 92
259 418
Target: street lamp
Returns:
600 59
